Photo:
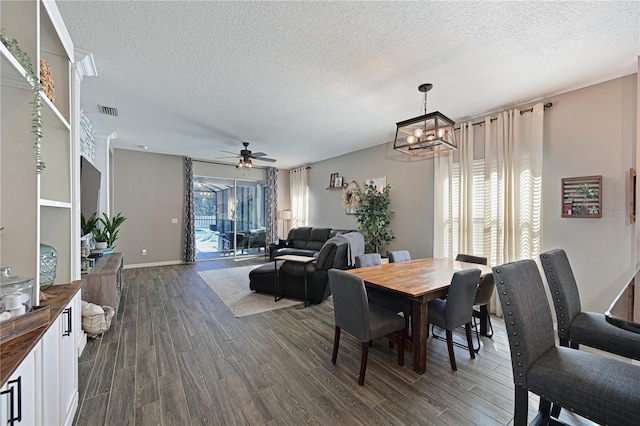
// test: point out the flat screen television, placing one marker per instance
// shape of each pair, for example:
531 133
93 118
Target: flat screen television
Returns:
89 188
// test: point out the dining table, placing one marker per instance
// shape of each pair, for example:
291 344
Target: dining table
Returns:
624 312
418 280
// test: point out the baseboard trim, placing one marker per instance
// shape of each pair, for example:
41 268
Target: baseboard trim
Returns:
149 265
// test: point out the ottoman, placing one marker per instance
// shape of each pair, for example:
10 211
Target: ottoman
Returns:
262 279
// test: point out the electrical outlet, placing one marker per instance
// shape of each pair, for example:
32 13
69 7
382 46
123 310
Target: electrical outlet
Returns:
174 220
144 252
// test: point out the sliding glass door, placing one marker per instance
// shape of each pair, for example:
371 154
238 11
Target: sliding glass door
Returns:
229 217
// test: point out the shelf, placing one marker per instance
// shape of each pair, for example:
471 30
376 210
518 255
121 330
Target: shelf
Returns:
336 187
52 115
52 203
13 75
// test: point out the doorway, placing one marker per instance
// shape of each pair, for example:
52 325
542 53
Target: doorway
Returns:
229 217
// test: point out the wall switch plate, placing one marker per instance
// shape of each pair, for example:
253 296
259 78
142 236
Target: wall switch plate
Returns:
144 252
174 220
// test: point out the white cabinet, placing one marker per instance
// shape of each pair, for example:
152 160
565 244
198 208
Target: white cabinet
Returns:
19 396
60 367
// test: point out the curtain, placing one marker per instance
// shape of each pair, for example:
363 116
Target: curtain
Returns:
299 194
513 187
272 206
465 199
189 218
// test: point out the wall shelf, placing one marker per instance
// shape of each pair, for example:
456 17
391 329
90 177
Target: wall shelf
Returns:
582 197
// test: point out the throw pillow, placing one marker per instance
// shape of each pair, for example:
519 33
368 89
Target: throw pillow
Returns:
285 243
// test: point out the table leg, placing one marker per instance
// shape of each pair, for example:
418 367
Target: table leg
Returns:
305 286
277 281
419 328
484 312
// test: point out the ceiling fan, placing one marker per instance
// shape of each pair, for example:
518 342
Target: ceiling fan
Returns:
246 155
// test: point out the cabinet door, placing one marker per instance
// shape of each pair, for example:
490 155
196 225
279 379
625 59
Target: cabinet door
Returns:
68 362
18 395
51 374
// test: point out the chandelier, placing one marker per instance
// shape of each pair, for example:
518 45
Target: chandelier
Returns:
426 134
244 163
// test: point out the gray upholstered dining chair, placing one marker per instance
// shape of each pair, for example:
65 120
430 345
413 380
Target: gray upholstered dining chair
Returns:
376 296
365 321
456 310
483 296
399 256
582 328
602 389
368 259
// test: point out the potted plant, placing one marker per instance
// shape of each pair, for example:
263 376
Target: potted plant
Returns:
88 225
101 237
374 217
110 226
586 192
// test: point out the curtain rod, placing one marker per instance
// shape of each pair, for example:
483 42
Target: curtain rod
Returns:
479 123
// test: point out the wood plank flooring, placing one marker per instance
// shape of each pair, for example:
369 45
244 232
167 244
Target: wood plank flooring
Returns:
178 356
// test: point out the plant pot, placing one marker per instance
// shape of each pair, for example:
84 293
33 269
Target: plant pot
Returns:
101 244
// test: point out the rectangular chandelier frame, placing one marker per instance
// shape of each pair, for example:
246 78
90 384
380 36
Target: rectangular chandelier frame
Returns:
437 134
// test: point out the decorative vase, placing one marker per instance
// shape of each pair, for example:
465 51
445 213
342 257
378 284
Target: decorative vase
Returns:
48 264
101 244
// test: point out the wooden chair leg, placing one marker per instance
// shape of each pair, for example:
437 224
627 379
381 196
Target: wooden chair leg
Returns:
363 362
452 356
521 406
336 343
401 339
467 329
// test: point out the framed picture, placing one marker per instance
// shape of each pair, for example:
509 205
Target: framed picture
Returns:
582 197
332 181
338 182
379 182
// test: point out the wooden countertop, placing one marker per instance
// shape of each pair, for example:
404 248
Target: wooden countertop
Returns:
13 352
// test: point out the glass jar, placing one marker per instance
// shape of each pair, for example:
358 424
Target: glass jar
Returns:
16 294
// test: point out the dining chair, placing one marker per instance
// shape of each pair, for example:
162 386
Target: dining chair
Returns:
483 297
599 388
358 317
368 259
582 328
456 310
399 256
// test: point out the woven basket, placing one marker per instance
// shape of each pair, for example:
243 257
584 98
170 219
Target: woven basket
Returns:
46 80
96 319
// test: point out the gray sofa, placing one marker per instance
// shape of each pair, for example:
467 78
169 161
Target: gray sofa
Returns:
304 241
332 253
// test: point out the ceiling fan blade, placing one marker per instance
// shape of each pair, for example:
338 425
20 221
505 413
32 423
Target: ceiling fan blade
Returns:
258 154
270 160
220 158
229 152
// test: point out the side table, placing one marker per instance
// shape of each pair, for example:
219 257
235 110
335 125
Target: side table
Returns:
294 259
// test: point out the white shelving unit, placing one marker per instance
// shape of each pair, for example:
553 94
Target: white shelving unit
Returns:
34 208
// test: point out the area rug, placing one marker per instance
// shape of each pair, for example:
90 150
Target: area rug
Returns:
232 287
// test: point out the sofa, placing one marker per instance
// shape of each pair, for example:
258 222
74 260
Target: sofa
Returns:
331 254
304 241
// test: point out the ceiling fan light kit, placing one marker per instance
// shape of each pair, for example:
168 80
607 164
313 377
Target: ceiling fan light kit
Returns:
427 134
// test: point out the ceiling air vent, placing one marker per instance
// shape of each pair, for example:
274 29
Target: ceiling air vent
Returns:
108 110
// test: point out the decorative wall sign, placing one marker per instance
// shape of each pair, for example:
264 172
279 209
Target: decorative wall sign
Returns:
632 195
336 182
379 182
582 197
350 200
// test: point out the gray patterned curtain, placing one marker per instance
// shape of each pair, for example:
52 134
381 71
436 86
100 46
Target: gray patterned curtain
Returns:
189 219
272 205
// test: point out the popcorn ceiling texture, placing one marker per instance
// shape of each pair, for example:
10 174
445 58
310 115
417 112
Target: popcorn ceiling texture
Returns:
305 81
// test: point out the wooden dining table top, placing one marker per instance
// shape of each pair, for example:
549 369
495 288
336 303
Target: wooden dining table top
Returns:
417 277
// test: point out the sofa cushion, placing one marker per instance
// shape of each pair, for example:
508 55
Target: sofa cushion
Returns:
300 236
326 256
317 238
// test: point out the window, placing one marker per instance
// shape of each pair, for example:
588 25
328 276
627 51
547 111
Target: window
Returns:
478 207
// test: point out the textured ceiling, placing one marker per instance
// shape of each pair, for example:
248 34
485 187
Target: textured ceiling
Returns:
306 81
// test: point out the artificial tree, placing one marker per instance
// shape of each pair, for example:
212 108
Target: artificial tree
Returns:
374 217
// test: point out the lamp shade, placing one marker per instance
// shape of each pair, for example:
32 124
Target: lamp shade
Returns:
285 215
426 134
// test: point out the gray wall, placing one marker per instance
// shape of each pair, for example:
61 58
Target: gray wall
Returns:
411 180
149 190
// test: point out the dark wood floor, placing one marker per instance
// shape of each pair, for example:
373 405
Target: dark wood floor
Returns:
177 356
